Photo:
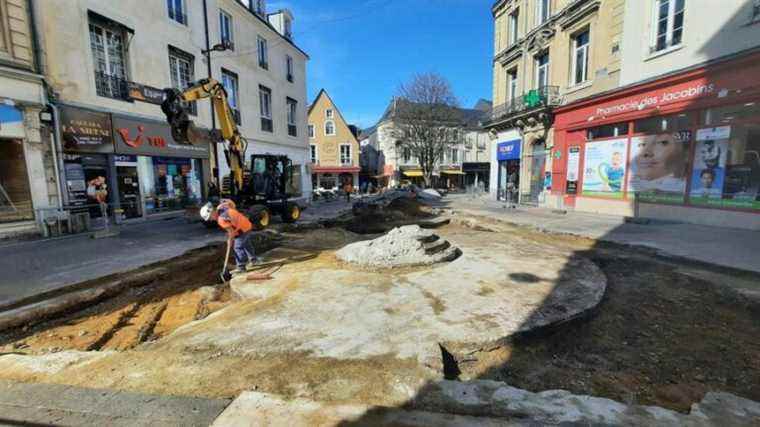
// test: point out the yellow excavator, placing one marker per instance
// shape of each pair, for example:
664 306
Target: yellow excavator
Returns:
262 189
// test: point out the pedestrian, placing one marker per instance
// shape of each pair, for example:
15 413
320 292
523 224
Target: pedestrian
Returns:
238 228
348 189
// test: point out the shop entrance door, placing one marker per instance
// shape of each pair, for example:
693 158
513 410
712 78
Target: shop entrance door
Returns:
537 159
129 191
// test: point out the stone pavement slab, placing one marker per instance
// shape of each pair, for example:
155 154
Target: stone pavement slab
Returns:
51 404
726 247
37 267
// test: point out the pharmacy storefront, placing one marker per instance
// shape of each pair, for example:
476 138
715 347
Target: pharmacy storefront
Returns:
684 148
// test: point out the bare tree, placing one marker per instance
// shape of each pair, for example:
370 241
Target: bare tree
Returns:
427 120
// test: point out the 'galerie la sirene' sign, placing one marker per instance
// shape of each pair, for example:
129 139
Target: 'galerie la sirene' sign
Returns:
651 101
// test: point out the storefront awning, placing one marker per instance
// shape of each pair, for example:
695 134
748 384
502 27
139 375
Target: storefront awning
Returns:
413 174
453 172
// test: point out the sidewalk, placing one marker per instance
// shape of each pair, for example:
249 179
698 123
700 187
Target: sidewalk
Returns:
726 247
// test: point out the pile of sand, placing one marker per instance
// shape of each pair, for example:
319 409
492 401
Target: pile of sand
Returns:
401 247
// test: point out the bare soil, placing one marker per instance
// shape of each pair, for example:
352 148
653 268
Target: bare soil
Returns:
666 333
136 315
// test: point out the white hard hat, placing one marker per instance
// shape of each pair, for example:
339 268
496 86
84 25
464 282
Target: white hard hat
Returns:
206 211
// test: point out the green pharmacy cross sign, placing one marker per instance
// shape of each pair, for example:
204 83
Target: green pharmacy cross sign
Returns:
532 98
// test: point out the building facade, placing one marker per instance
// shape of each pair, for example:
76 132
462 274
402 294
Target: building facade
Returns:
680 140
107 84
28 183
396 164
334 146
546 53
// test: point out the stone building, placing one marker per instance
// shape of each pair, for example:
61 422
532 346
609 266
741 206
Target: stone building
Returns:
334 146
546 52
106 64
28 184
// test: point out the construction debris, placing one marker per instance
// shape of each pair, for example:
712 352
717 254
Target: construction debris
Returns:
402 247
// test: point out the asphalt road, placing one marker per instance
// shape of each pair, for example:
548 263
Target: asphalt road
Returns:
31 268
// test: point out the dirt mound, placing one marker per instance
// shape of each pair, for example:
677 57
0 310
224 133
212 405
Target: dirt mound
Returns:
402 247
410 207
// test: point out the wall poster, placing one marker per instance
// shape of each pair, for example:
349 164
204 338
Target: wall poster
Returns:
573 169
604 169
658 167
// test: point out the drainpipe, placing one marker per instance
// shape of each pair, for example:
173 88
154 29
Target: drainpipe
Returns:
208 67
55 141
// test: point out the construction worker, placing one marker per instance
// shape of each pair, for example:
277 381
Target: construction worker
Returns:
238 229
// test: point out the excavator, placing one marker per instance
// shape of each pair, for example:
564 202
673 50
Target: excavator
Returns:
260 190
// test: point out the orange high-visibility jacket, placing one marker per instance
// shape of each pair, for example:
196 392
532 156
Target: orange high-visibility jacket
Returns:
230 218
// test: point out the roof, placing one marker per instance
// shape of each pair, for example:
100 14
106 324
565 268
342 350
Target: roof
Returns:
323 92
471 116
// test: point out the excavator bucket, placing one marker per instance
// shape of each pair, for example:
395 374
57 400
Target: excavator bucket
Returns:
183 129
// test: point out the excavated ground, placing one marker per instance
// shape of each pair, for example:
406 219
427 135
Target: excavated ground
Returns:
666 332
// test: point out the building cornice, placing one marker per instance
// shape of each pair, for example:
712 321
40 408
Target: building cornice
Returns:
577 11
19 74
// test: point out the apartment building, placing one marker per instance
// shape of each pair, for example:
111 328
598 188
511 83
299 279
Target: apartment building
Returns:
546 53
106 64
680 139
396 164
334 146
28 184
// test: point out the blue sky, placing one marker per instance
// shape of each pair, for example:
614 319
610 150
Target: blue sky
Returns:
361 50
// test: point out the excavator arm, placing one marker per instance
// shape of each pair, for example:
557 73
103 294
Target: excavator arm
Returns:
184 130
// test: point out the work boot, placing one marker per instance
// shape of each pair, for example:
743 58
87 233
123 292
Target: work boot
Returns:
252 264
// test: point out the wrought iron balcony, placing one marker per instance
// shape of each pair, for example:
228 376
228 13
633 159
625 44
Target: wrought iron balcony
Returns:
543 97
111 86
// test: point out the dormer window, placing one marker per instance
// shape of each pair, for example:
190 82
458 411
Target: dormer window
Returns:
288 28
260 7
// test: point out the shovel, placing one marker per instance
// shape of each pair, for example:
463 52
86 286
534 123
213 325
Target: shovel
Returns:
225 275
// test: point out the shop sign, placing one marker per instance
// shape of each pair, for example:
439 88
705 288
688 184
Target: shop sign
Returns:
509 150
693 91
11 122
143 93
85 131
125 160
142 137
573 169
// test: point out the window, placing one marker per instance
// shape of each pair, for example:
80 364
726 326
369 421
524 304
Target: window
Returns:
755 11
329 113
230 83
314 159
542 11
15 194
512 82
542 70
660 124
177 11
311 131
289 68
407 154
107 43
292 113
288 28
607 131
265 105
181 69
580 58
329 128
263 53
345 155
513 26
668 24
225 29
454 156
260 7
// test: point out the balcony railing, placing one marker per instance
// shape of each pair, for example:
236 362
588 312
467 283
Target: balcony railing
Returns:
543 97
111 86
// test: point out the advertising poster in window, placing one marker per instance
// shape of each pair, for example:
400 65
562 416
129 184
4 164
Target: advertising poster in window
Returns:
604 169
573 169
659 167
727 167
